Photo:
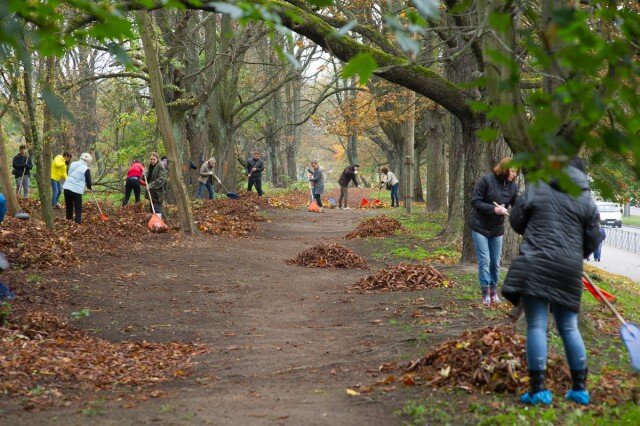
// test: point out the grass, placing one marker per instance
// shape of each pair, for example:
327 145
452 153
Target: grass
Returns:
606 353
631 221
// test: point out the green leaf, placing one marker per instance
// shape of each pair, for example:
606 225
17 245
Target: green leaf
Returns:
57 107
229 9
501 112
477 106
500 21
320 3
362 64
427 8
342 31
117 51
488 134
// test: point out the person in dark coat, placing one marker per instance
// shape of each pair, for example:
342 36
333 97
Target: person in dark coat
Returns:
492 195
317 181
597 254
348 174
254 173
559 231
22 170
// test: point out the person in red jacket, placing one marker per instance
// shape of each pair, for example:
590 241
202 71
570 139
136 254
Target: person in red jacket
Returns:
134 175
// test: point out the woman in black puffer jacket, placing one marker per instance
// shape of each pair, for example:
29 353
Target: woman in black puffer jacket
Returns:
559 232
491 197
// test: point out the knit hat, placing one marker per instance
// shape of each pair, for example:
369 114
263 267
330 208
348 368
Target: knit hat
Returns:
86 157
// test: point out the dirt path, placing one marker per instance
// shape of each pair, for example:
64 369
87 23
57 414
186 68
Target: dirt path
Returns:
287 341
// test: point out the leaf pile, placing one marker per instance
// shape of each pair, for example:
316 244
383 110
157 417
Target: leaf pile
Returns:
329 256
29 244
45 352
405 276
490 359
291 200
125 225
379 226
235 218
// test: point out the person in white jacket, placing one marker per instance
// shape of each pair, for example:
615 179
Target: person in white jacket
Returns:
78 177
393 184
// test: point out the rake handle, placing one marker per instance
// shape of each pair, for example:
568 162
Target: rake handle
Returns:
606 302
146 185
96 201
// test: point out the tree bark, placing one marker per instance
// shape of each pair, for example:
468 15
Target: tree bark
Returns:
6 178
435 138
44 189
408 151
164 124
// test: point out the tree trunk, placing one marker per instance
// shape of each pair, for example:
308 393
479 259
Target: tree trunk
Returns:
44 188
455 216
436 135
164 123
409 130
476 164
6 178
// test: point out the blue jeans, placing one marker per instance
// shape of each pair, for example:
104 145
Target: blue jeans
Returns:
56 191
488 251
535 311
597 254
394 195
209 186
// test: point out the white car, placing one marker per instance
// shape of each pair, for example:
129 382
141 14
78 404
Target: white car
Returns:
610 214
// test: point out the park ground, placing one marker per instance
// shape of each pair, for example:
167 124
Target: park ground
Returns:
292 345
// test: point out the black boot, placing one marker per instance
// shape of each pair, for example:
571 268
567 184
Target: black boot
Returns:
579 379
538 394
537 379
578 392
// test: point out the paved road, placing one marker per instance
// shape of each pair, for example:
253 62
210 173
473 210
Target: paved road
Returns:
619 262
635 211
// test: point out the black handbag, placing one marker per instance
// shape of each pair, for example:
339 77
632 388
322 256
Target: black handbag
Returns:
389 186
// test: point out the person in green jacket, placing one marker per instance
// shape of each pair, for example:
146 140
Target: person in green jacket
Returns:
156 179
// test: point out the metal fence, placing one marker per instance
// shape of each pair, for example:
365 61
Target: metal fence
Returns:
623 239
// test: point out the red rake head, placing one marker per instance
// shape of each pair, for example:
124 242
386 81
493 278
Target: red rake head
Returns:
156 224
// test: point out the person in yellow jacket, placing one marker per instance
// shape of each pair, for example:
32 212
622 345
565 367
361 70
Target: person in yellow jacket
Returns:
58 174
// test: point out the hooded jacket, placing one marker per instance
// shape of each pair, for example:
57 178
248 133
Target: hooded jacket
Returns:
348 175
489 189
58 168
559 232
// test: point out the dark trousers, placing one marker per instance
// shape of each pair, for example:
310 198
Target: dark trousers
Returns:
318 200
73 202
132 184
156 206
344 195
258 184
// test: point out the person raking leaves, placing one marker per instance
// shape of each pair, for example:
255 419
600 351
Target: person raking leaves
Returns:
22 170
156 181
78 178
349 174
254 173
134 176
317 181
559 230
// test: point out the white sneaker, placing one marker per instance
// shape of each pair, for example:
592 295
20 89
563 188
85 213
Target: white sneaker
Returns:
347 208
